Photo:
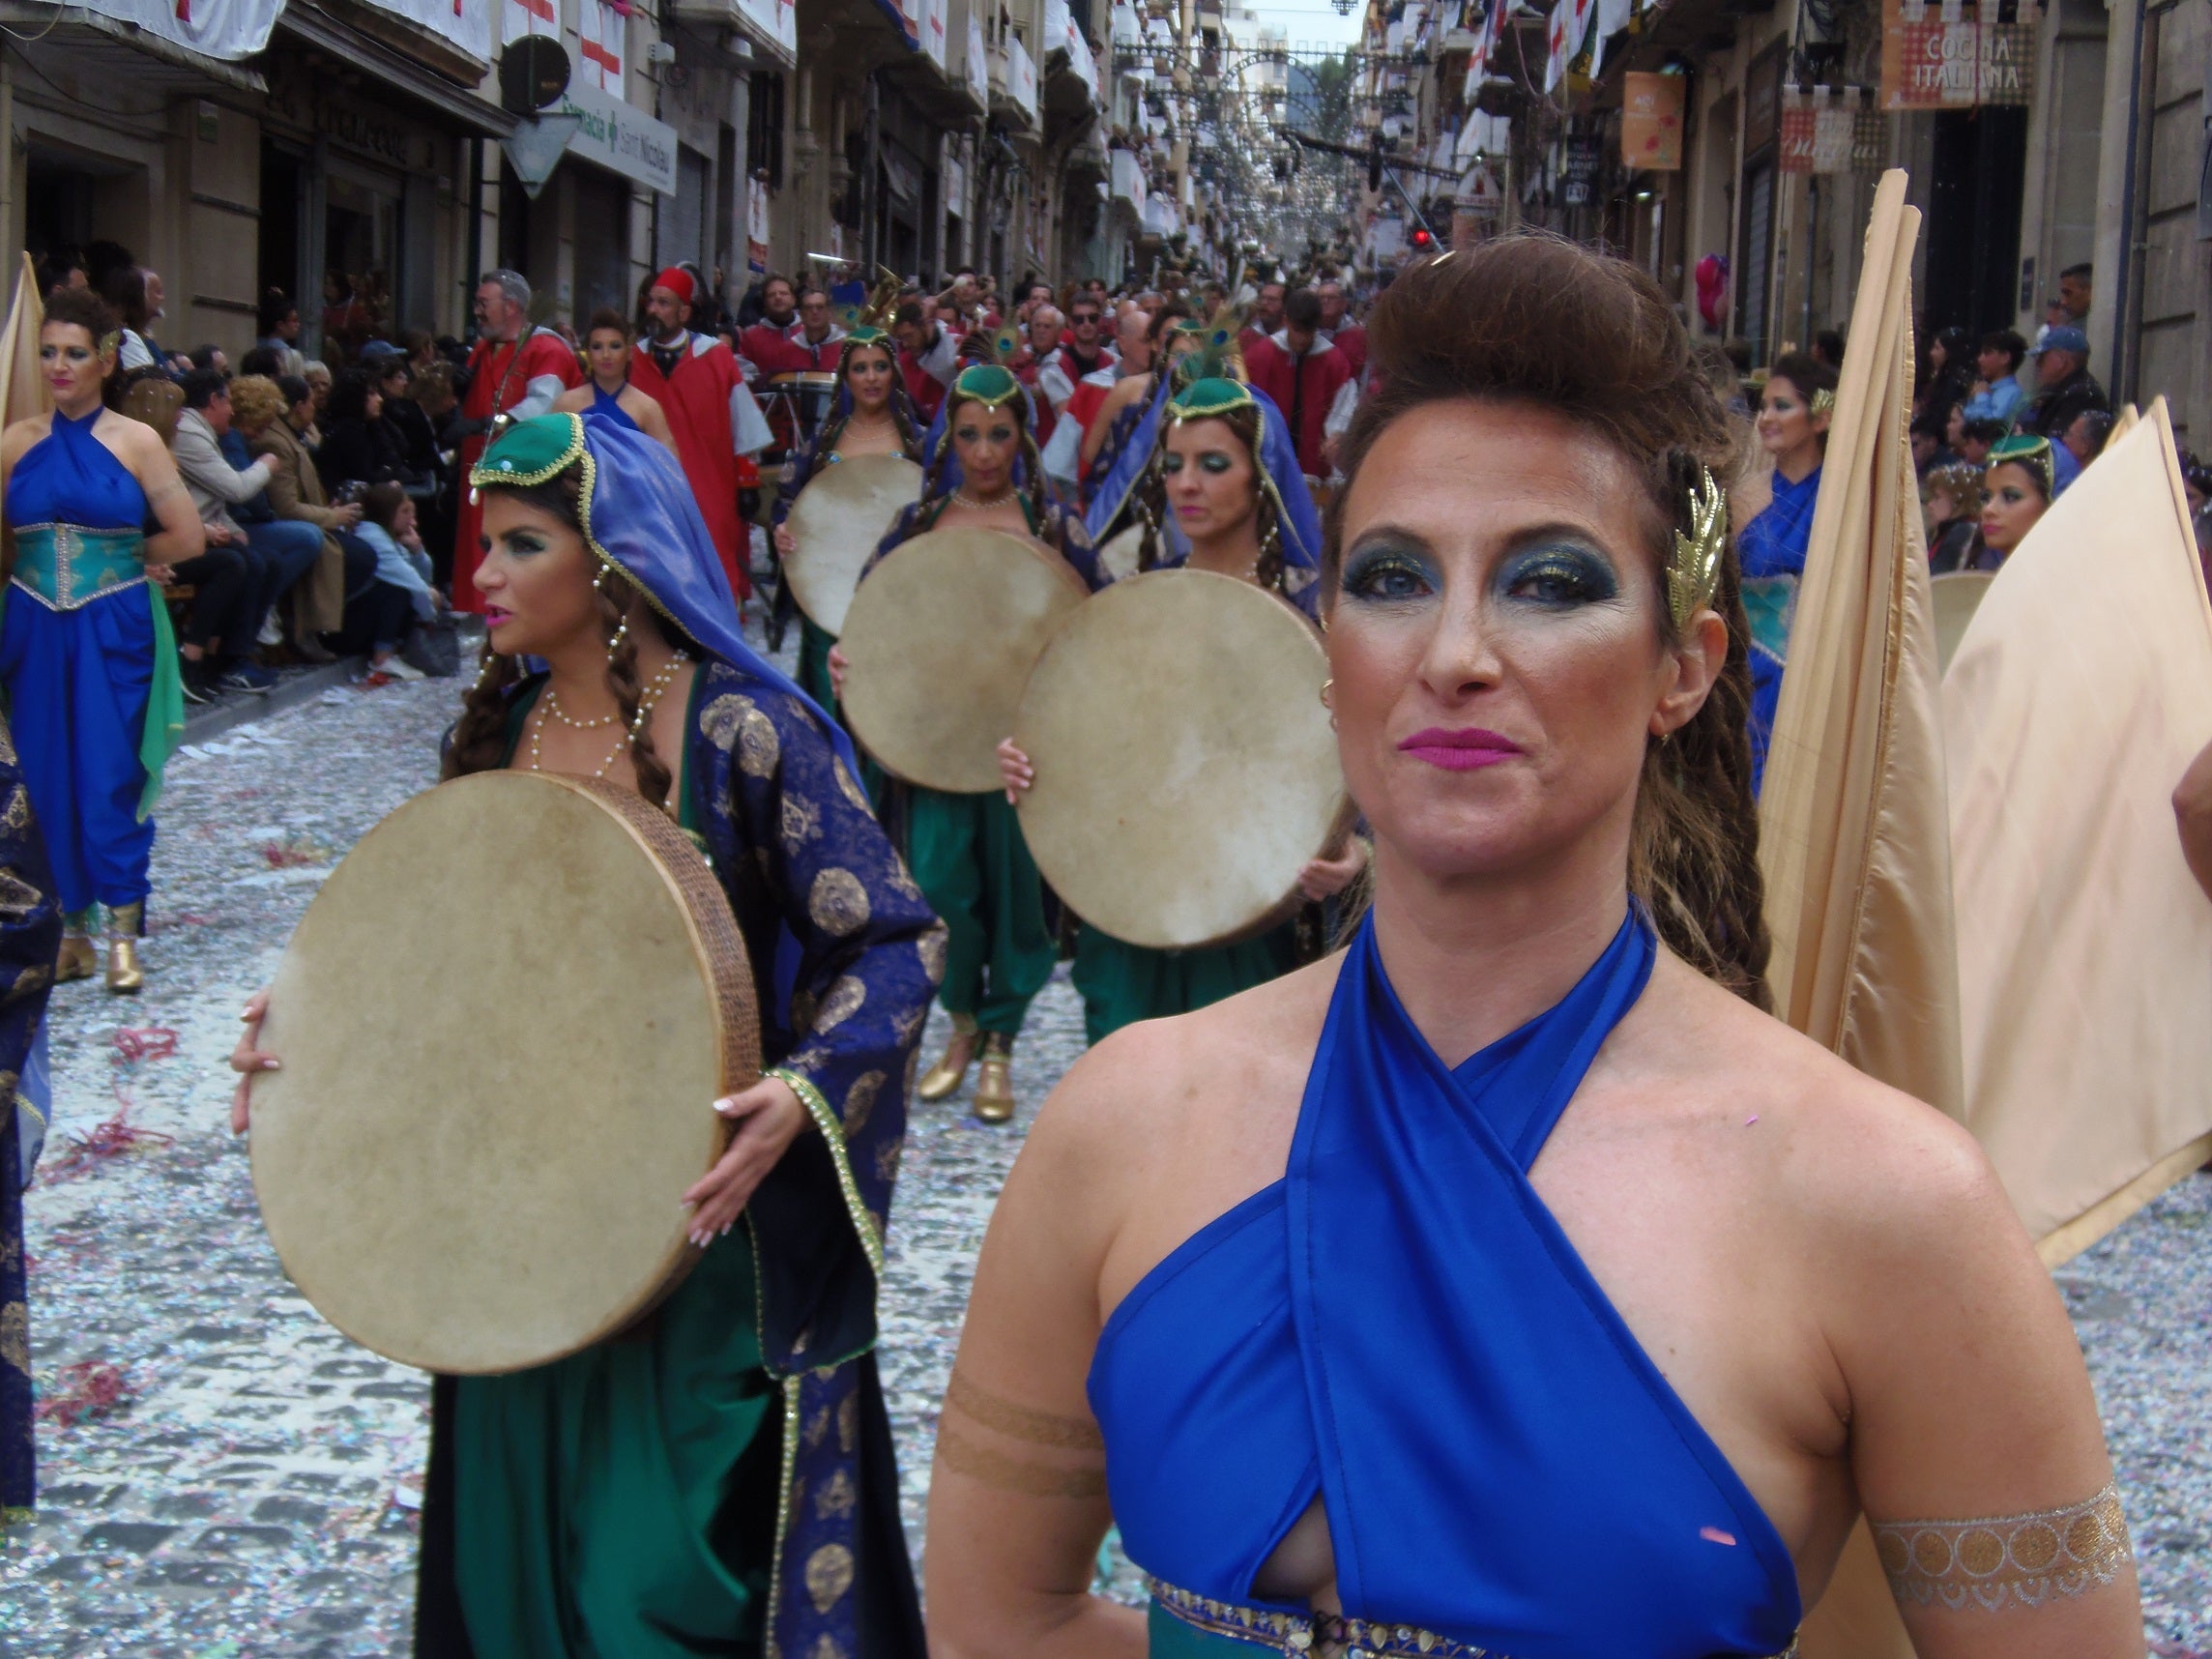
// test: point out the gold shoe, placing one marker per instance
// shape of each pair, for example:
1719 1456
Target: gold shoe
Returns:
125 974
945 1077
995 1084
77 959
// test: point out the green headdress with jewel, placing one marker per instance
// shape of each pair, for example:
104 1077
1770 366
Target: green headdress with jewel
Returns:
2026 450
1204 399
986 383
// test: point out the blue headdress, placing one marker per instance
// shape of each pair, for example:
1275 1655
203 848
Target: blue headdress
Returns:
640 520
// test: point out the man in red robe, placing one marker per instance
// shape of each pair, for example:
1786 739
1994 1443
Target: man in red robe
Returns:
1340 330
696 381
1308 379
516 370
766 348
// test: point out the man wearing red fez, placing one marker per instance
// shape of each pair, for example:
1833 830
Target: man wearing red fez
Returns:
698 384
516 370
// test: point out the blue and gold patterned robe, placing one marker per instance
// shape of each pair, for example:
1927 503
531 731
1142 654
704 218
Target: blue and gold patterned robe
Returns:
30 934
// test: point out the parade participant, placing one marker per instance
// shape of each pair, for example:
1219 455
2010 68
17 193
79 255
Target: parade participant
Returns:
1340 330
870 417
966 850
929 357
1309 379
516 371
609 392
30 936
1039 343
2017 491
1347 1300
766 343
1107 432
1082 351
814 338
643 1496
1066 461
716 424
1266 315
1211 471
1792 426
94 692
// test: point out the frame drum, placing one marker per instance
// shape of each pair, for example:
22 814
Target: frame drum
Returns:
835 523
810 392
1958 596
1186 769
938 642
503 1021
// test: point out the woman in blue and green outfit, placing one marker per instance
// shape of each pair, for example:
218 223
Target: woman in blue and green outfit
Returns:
1208 478
871 416
720 1480
966 850
87 660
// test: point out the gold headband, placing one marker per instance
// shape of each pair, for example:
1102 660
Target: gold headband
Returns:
1695 571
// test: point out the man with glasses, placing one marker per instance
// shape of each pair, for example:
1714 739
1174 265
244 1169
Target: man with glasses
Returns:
1080 352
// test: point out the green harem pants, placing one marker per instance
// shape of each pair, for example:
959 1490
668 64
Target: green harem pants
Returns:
968 857
1122 983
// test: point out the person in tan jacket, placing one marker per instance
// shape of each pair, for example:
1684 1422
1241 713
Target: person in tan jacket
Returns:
272 414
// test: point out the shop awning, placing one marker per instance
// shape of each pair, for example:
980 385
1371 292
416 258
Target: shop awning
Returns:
314 27
141 57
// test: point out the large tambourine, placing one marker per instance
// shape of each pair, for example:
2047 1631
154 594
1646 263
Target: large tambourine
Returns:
836 524
503 1021
1186 769
939 642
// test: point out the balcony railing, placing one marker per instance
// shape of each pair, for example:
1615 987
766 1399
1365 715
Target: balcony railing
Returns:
1013 80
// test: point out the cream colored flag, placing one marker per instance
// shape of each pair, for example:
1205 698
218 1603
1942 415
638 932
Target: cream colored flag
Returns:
1854 836
2078 695
22 388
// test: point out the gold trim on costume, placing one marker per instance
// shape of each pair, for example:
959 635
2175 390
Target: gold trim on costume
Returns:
833 1129
769 1649
2006 1560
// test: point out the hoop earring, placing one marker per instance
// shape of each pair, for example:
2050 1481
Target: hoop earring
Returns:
1325 688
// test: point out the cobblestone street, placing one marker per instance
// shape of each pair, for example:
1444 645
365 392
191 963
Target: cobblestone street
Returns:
239 1480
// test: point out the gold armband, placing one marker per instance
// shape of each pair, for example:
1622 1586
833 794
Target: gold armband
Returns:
2006 1560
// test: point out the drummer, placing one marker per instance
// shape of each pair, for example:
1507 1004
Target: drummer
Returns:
966 850
870 417
1209 472
607 348
623 1500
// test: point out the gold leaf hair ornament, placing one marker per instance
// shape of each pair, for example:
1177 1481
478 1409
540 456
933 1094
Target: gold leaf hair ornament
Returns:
1695 571
1823 402
110 344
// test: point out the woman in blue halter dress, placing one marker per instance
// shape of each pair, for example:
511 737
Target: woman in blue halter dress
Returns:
87 661
1794 428
1510 1284
608 393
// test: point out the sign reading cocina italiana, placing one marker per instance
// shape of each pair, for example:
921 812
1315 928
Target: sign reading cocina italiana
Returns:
621 136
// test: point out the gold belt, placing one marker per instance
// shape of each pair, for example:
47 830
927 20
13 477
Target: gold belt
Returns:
1300 1634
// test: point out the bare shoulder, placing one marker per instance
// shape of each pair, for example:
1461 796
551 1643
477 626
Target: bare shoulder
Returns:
1865 1173
21 434
134 440
1210 1090
574 401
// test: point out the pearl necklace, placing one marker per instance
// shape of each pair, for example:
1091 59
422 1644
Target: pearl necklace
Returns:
976 504
554 708
654 690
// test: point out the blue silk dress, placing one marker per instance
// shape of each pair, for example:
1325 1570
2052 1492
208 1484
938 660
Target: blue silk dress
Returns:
1772 550
610 407
88 664
1503 1469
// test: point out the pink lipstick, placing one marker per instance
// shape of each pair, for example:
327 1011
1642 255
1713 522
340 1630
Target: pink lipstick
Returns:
1461 750
494 617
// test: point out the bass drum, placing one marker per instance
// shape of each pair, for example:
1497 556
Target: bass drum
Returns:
495 1089
836 524
1185 768
938 644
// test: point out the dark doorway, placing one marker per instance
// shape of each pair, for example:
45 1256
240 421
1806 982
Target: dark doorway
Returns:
1977 170
283 189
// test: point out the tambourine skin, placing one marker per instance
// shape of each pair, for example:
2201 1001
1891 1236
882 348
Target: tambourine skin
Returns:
938 644
836 524
1958 596
1186 769
502 1024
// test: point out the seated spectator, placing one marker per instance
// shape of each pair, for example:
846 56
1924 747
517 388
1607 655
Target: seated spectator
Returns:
1976 437
247 565
319 381
379 618
1927 434
210 357
1951 505
2085 434
266 362
274 416
1997 392
358 447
